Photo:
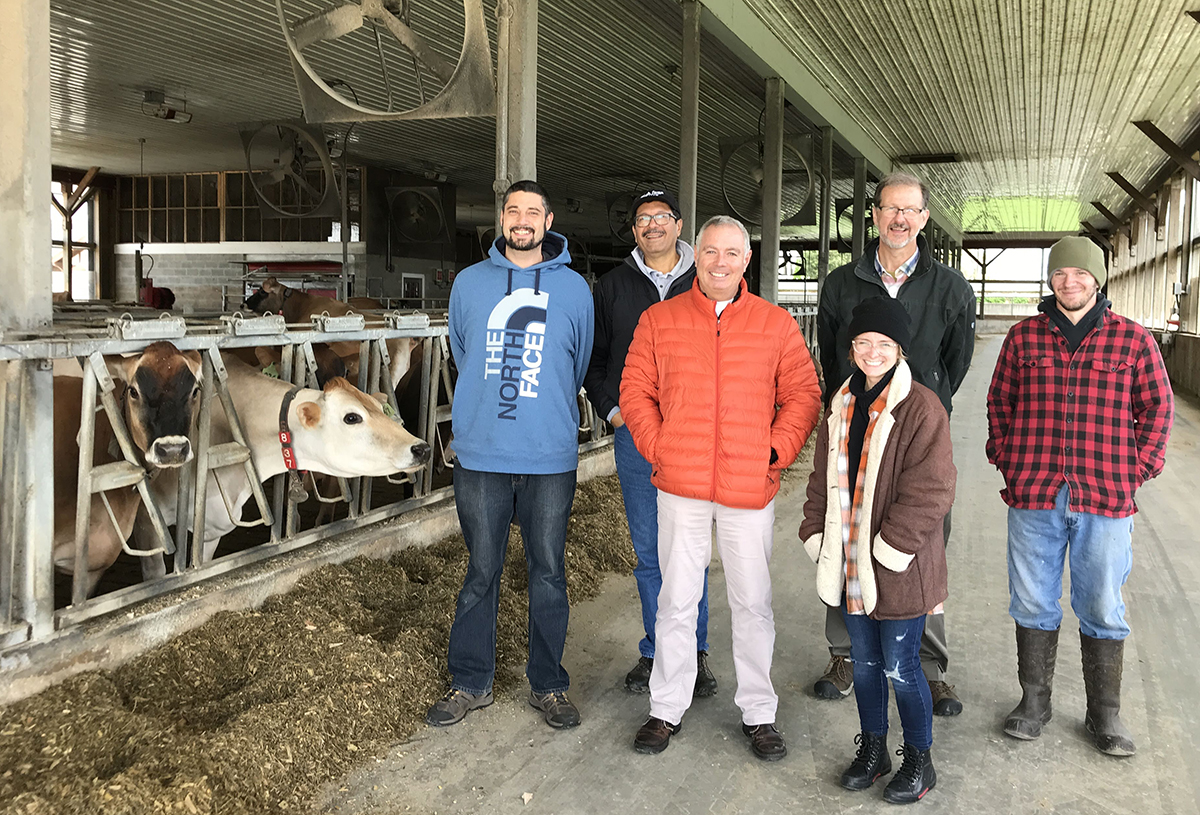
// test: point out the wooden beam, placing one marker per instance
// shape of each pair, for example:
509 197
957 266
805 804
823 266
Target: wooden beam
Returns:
81 188
1112 219
1097 236
1133 192
1160 219
1177 153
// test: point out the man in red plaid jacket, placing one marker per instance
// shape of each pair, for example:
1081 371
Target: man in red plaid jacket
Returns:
1079 411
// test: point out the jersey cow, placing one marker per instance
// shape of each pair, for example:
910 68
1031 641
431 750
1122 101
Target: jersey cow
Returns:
338 430
158 393
300 307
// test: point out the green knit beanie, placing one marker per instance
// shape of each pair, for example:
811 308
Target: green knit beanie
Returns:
1081 253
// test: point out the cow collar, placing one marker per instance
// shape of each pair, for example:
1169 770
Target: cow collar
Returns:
285 432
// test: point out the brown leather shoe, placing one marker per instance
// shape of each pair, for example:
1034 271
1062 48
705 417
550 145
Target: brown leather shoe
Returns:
766 741
655 735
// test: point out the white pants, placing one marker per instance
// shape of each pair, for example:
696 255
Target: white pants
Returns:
744 538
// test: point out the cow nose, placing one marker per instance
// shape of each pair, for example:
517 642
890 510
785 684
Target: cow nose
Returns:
420 452
173 452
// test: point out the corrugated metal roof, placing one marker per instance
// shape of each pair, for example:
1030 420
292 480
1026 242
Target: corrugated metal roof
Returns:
608 103
1035 97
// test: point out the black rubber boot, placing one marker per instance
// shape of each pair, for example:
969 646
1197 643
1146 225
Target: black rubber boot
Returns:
870 763
1102 664
1036 652
915 777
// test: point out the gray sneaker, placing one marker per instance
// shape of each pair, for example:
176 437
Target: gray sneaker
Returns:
559 710
453 707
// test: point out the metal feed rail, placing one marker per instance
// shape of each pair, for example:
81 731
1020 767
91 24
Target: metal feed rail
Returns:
26 519
27 611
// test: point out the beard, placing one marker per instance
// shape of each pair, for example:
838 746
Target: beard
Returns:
1077 302
524 244
892 244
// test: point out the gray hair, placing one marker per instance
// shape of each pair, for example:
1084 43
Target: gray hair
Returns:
901 179
725 220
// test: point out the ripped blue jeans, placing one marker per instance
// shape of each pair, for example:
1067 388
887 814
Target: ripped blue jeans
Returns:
890 649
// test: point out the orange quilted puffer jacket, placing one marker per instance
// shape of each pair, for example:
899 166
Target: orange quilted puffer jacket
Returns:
706 399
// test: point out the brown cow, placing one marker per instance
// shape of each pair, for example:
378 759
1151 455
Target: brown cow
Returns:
300 307
159 393
329 364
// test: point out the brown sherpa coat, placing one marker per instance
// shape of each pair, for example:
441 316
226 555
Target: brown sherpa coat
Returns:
908 488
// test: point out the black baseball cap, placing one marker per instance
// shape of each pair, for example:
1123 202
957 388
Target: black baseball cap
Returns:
655 195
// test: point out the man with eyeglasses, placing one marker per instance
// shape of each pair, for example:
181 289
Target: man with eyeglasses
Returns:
660 267
941 304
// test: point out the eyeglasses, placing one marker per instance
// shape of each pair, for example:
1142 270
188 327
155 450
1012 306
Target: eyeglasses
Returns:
862 346
662 219
907 212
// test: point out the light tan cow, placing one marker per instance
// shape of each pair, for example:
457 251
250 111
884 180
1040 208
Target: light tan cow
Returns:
338 430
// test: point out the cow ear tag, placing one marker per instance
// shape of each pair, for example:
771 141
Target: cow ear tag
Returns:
388 410
271 371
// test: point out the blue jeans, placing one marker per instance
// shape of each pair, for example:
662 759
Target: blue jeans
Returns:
486 504
1101 551
890 649
641 511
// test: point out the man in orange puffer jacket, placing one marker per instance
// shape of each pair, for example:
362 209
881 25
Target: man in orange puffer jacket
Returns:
720 394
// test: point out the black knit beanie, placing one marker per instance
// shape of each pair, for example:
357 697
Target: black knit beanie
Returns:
883 315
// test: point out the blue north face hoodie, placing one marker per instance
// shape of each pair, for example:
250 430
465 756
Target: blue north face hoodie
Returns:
521 339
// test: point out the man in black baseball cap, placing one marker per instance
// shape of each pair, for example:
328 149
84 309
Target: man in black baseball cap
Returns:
660 267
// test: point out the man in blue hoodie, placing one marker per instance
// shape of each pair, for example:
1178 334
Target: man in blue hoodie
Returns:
521 334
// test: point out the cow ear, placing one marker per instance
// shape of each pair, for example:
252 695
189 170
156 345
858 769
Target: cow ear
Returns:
270 284
310 415
381 398
194 362
268 355
121 368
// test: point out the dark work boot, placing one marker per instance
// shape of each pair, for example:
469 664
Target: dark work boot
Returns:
1102 664
870 763
638 679
706 683
1036 652
915 777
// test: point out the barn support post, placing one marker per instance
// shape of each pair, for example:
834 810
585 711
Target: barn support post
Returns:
689 121
858 234
24 268
516 97
772 190
824 206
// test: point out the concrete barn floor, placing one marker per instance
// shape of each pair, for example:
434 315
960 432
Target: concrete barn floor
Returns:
504 759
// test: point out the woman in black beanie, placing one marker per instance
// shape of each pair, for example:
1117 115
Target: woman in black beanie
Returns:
882 482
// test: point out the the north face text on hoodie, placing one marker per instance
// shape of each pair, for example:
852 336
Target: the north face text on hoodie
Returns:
516 334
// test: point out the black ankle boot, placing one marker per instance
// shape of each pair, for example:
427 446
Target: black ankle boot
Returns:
1036 653
1103 661
871 762
915 777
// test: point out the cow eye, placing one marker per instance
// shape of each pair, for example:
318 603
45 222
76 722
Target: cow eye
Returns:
352 418
196 392
133 393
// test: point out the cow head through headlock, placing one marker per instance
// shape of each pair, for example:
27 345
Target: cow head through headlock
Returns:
344 432
161 397
269 297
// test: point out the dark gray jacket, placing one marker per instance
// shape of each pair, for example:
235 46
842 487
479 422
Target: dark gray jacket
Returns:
940 302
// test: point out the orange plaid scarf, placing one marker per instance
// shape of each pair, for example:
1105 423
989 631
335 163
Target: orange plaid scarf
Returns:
852 502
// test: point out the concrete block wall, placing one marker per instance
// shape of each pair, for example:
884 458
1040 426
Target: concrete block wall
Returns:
197 272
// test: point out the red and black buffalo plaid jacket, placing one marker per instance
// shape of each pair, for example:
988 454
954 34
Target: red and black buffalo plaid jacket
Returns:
1097 419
